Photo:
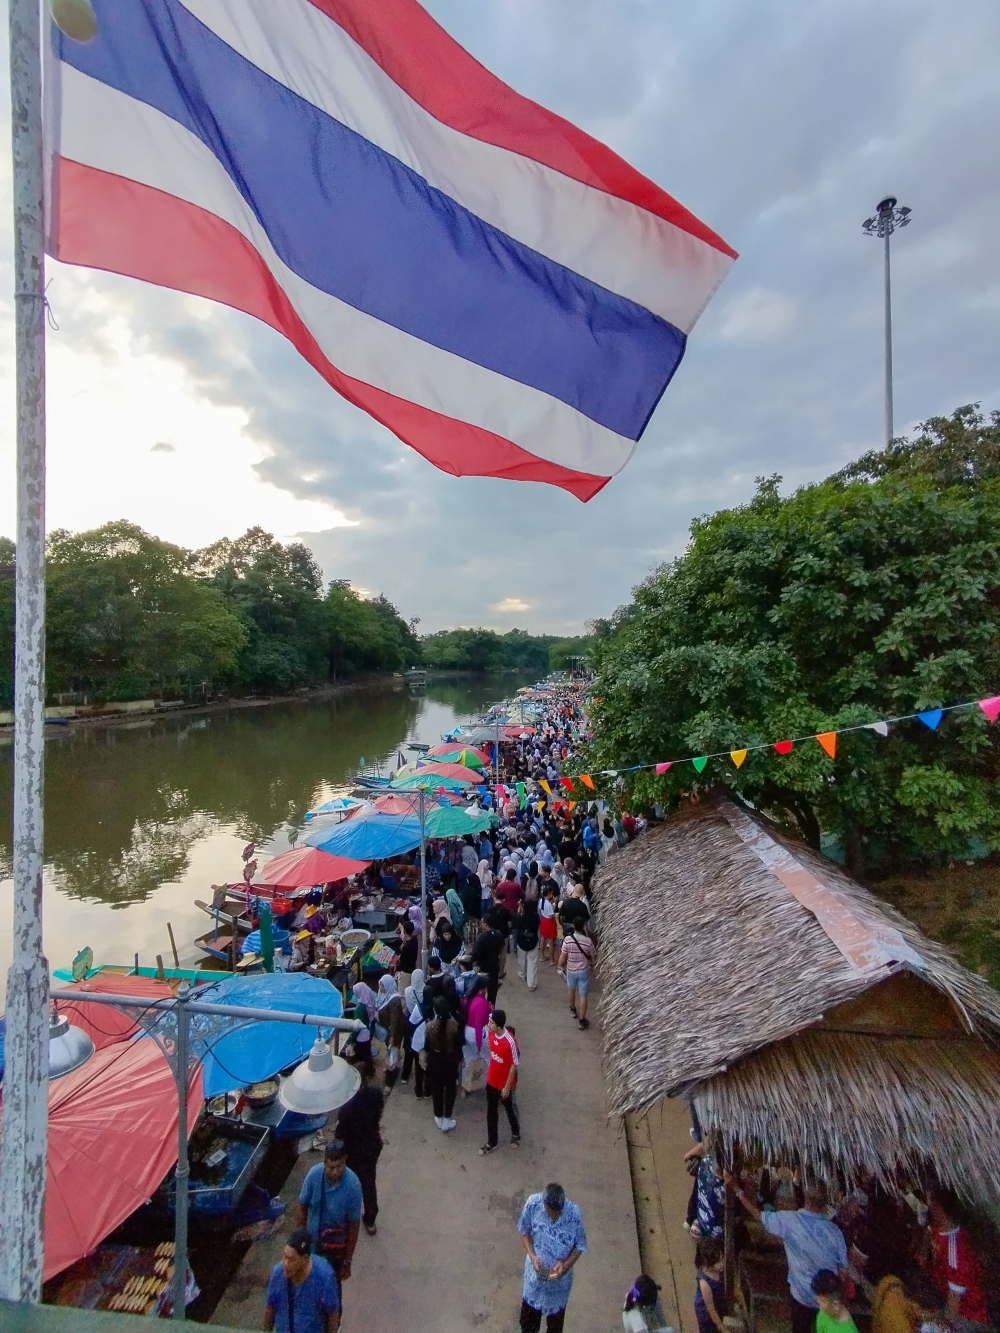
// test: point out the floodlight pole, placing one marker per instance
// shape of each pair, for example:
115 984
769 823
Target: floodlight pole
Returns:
882 224
23 1152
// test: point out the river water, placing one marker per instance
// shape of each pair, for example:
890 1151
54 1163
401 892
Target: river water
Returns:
140 820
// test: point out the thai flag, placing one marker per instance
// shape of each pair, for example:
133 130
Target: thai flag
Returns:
498 288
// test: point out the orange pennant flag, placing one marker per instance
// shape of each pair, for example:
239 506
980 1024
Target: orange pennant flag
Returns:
828 740
570 806
585 778
544 786
737 756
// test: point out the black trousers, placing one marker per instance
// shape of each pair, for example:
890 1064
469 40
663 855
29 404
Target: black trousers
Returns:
443 1092
531 1319
493 1103
492 984
411 1061
803 1318
364 1165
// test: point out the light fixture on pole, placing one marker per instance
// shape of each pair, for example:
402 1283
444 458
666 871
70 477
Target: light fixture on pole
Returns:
319 1084
69 1047
887 218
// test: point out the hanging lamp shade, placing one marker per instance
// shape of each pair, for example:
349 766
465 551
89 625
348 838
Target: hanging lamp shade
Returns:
319 1084
69 1047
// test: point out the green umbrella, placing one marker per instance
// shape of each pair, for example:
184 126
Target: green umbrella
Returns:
451 821
429 781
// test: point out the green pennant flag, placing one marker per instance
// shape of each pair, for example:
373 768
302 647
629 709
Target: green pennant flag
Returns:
699 764
520 793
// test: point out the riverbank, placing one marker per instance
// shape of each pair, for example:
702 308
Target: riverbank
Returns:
130 715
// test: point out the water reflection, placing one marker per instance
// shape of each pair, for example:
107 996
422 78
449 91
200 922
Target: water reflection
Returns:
125 808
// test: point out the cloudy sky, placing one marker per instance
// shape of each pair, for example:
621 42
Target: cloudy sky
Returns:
780 124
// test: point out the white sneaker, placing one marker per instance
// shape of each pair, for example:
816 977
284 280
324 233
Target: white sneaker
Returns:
448 1124
439 1122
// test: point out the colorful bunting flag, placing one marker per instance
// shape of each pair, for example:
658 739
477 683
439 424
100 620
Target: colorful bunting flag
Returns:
931 718
700 763
521 793
567 783
828 740
570 805
991 707
881 727
587 781
661 769
784 747
545 786
737 756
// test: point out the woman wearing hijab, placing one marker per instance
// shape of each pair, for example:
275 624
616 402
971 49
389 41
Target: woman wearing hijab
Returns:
412 1002
528 931
365 1008
444 1050
392 1018
440 912
455 909
477 1015
448 944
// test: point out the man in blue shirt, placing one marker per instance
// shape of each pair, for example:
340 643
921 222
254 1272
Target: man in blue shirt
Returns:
302 1294
551 1231
330 1209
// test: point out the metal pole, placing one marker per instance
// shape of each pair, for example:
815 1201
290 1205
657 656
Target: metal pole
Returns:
25 1103
423 879
888 342
182 1173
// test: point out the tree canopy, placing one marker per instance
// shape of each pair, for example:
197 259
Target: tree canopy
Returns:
129 615
486 650
873 594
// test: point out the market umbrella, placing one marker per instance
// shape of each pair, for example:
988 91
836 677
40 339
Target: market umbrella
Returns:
369 837
406 803
112 1139
339 805
254 1051
307 865
455 823
452 747
104 1024
454 754
439 768
432 783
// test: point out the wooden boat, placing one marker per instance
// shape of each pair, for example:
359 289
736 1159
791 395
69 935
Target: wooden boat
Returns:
218 944
238 922
173 976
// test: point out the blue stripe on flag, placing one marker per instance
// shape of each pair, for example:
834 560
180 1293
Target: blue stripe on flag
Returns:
357 223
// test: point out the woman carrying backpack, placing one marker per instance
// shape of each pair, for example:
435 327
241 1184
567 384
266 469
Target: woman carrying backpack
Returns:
527 928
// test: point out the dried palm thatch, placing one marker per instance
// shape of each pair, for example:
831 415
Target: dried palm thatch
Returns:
806 1018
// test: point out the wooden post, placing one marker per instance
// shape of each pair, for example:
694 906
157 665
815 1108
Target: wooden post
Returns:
173 946
160 974
137 965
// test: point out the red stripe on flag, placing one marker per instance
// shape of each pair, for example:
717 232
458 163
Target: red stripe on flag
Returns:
420 57
108 222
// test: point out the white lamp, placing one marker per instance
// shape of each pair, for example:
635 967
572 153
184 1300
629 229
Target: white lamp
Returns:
69 1047
319 1084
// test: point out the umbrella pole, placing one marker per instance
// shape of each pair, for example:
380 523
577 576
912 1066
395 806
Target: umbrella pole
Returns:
182 1174
423 881
26 1095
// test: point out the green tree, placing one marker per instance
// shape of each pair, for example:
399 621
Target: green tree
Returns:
871 595
124 615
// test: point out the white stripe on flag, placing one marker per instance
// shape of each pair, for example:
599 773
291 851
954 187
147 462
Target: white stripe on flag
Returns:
608 240
104 128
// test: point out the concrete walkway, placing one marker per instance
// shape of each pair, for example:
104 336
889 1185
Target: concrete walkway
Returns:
447 1257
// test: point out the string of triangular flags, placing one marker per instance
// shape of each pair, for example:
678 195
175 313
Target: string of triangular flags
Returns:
930 717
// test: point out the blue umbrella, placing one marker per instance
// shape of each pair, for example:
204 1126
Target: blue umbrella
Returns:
336 806
369 837
255 1051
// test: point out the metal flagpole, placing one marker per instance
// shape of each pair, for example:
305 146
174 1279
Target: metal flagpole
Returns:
25 1102
421 804
182 1174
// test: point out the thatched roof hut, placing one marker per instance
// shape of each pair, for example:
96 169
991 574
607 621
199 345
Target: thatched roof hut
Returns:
804 1017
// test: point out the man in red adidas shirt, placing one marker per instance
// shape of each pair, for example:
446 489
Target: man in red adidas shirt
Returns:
501 1078
954 1268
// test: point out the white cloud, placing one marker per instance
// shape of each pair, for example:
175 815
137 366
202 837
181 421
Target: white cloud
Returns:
756 316
511 606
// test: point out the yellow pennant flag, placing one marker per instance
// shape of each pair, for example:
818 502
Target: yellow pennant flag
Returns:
828 740
737 756
544 786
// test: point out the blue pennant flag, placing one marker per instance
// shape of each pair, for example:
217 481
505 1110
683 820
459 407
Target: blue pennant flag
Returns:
931 718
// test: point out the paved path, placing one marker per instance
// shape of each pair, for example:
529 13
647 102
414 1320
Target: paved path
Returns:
447 1258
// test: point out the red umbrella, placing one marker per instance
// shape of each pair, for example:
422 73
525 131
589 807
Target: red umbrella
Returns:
454 748
396 804
112 1139
303 866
